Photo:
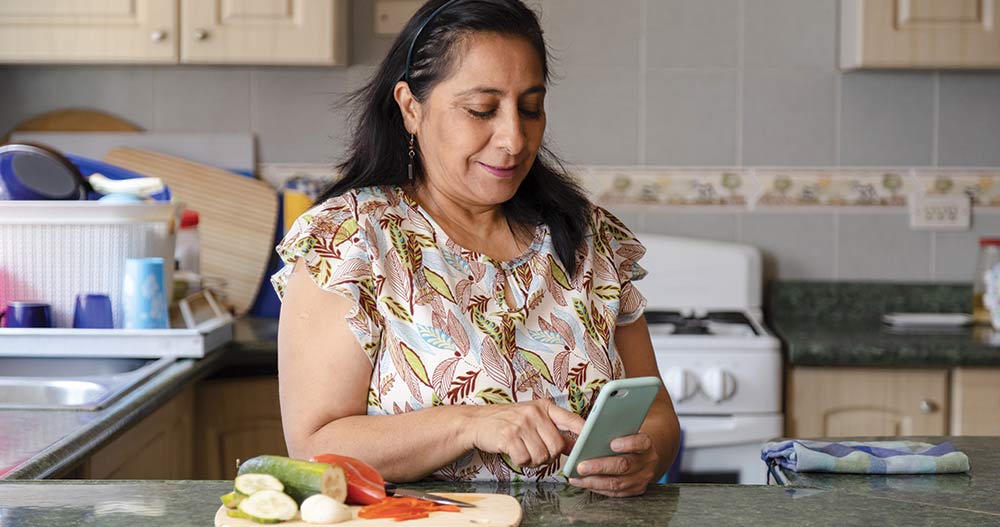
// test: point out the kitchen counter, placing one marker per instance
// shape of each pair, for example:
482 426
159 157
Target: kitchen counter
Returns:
871 343
38 444
977 491
184 503
840 324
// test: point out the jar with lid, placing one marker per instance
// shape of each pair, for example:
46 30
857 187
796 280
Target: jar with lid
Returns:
989 257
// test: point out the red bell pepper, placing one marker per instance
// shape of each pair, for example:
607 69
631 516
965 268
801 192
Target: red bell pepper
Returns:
364 484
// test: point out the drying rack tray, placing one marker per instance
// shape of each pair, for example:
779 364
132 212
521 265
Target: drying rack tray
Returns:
132 343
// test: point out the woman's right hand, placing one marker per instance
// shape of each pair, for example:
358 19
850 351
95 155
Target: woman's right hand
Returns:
530 433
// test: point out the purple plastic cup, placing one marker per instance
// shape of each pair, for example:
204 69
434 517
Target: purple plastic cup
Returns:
93 311
28 315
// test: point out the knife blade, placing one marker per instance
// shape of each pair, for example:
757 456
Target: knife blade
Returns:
392 490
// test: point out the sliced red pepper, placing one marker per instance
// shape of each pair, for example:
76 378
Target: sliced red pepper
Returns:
403 509
364 484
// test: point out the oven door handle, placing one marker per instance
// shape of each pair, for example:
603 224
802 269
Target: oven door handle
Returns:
711 431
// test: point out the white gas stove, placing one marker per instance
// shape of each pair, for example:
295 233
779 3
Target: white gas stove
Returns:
719 362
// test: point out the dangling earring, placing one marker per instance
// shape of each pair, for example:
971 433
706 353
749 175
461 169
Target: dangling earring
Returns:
412 153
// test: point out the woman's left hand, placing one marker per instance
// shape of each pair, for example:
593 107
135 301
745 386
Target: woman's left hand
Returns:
619 476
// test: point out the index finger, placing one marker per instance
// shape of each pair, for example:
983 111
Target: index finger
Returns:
565 420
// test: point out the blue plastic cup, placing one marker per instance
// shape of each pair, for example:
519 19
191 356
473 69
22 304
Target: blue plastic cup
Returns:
28 315
144 300
93 311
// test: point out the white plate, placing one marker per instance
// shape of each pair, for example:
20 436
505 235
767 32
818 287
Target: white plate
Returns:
927 319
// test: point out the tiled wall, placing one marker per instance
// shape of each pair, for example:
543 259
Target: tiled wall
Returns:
741 83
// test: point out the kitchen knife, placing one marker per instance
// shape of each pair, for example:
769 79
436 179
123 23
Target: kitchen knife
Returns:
392 490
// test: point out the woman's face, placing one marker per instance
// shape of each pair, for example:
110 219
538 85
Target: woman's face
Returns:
480 129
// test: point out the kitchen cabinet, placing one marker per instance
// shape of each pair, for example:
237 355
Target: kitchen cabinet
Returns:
134 31
839 402
975 395
236 418
920 34
158 447
278 32
264 32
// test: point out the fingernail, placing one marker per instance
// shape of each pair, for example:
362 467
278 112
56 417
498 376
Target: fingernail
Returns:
617 445
583 469
575 482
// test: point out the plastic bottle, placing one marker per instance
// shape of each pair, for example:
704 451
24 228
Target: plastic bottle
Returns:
989 256
187 251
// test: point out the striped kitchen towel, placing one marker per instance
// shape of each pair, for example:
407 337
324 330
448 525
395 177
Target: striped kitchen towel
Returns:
872 457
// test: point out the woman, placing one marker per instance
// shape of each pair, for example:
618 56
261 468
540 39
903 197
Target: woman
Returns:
486 300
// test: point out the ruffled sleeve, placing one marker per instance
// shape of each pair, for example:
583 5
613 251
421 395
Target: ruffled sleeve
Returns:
626 251
334 250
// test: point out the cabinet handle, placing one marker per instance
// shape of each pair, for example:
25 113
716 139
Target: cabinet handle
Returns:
927 406
158 36
200 34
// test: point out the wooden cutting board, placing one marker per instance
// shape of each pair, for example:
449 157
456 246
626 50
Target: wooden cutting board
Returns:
491 510
74 120
238 216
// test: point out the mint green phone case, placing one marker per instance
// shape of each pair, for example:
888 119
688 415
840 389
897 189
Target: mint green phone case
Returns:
620 409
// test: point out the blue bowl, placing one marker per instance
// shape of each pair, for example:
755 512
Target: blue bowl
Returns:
88 166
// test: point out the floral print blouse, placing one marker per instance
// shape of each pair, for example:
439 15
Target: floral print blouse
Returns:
434 320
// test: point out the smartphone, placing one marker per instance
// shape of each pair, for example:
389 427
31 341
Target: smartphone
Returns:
620 409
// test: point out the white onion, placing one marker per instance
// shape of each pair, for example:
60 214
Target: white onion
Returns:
323 509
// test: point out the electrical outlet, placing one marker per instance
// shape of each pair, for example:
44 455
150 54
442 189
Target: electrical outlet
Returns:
940 213
391 16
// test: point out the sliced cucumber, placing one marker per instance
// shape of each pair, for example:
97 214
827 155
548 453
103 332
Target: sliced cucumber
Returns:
301 478
233 499
269 506
247 484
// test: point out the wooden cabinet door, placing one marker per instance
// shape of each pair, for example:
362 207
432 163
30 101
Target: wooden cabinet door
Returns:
88 31
158 447
920 34
237 418
839 402
975 399
264 31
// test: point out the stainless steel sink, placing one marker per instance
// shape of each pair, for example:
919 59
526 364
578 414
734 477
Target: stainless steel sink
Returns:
44 383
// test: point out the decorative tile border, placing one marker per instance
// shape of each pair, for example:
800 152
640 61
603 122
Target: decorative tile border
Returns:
868 188
981 185
741 188
729 187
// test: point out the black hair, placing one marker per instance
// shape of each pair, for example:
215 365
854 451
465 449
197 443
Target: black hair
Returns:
379 144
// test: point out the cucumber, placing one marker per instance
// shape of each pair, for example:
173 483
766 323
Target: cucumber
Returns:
247 484
269 506
232 500
300 478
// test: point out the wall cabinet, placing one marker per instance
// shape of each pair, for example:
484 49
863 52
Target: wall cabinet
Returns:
264 32
310 32
839 402
236 418
975 395
89 31
920 34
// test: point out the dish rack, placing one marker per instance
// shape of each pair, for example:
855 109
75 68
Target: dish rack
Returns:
51 251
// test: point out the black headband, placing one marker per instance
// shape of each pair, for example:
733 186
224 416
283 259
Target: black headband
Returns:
409 54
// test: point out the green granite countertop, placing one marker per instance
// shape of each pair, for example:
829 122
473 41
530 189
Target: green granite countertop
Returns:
840 324
188 503
978 491
38 444
871 343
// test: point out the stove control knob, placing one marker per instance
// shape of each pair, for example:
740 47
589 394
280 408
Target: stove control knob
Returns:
718 384
681 384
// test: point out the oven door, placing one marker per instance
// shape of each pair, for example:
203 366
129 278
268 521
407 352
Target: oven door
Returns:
726 448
